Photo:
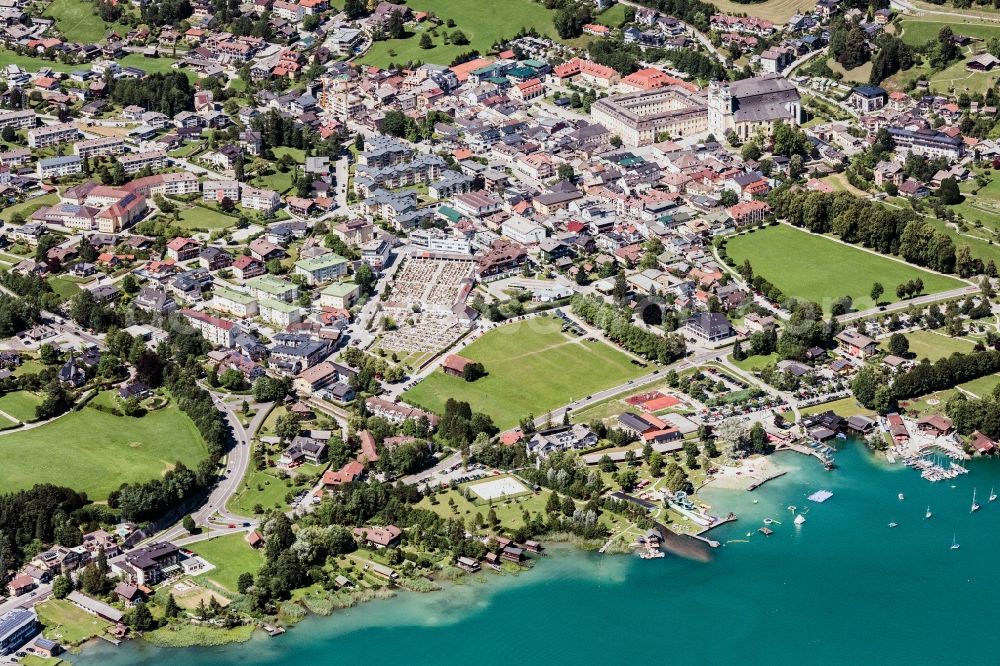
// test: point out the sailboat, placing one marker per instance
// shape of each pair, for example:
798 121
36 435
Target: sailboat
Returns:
954 544
901 497
799 519
993 495
927 516
893 523
975 504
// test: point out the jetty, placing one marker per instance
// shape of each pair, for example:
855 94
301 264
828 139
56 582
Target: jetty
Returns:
273 630
770 477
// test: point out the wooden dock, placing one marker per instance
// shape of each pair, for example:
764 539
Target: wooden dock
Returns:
770 477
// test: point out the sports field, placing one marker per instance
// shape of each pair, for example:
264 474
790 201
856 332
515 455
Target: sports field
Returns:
818 269
477 20
95 452
532 367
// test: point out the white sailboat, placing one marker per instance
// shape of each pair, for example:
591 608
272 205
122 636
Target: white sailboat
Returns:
954 544
975 504
927 516
893 523
901 497
993 495
799 519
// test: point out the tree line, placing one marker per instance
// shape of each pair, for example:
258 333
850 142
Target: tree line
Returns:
618 327
859 221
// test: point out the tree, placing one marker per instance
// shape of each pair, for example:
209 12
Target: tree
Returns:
425 41
189 525
49 355
287 426
728 198
139 618
365 278
565 172
172 610
473 371
62 586
877 291
948 192
899 344
244 582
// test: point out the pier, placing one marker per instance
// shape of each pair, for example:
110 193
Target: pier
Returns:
757 484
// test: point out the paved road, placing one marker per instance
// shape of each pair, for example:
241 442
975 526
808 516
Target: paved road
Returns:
213 514
904 305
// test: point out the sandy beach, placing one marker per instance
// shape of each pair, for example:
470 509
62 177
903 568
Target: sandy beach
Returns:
747 472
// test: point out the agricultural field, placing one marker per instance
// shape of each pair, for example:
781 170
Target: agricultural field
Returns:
95 452
815 268
532 367
776 11
77 21
20 405
860 74
983 386
231 555
956 78
917 32
477 20
614 16
981 204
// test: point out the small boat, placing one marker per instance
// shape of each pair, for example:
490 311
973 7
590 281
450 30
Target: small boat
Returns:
954 544
756 501
927 516
893 523
791 507
975 504
799 519
901 497
993 496
768 521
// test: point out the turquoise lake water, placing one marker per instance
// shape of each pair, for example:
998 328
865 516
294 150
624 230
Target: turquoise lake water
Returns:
843 587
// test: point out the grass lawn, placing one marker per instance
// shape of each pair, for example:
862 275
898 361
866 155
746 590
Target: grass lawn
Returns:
933 403
477 20
614 16
32 64
65 289
198 217
860 74
815 268
839 182
29 366
983 386
95 452
77 21
231 555
934 346
508 511
751 363
277 181
68 624
26 208
260 487
296 154
917 32
845 407
532 367
20 404
956 77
